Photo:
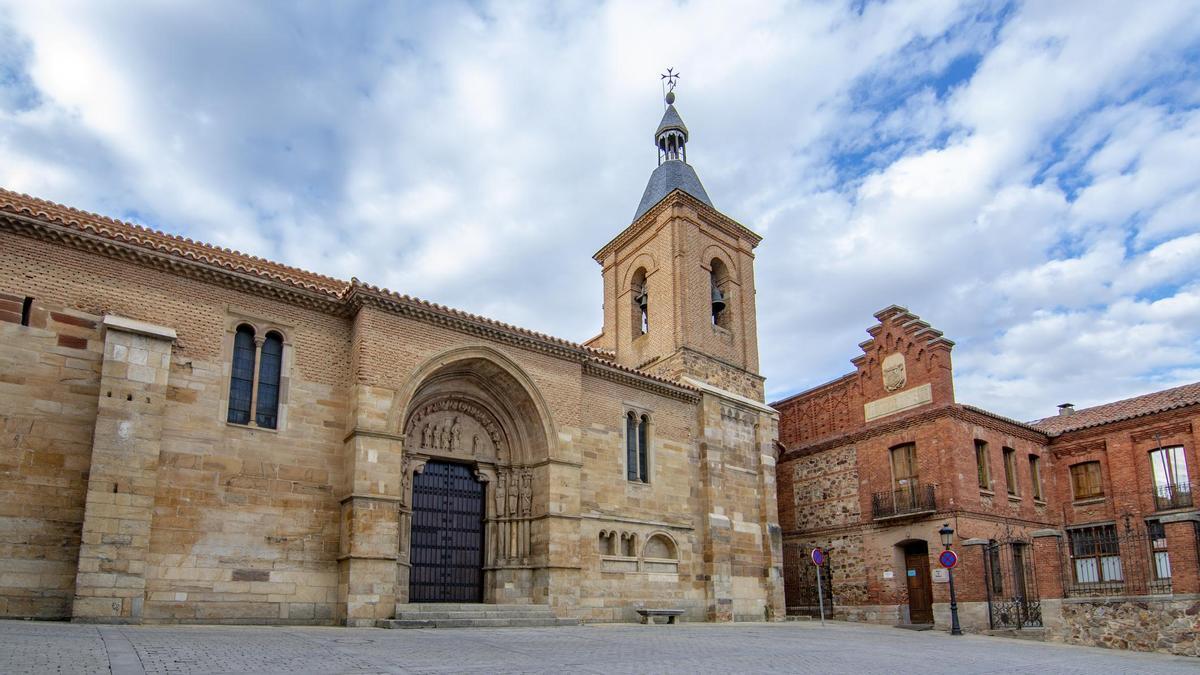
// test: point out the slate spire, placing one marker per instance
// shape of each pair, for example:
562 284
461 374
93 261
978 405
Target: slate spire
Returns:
673 171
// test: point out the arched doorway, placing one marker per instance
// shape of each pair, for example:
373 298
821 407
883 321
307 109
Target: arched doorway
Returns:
476 438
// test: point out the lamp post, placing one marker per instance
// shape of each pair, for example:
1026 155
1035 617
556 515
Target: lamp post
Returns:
948 538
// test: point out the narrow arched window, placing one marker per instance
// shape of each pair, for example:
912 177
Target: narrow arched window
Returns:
643 452
241 378
266 413
639 294
631 446
719 291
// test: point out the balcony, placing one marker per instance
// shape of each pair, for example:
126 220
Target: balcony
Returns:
1172 496
910 500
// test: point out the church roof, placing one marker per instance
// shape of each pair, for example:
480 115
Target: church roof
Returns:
80 229
669 176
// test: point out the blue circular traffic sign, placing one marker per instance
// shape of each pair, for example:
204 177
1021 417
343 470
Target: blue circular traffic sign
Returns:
818 556
948 559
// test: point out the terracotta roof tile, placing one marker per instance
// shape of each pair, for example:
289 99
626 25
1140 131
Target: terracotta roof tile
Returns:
1138 406
137 235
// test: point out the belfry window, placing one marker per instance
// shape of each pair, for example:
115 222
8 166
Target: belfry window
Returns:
255 378
639 294
718 292
637 447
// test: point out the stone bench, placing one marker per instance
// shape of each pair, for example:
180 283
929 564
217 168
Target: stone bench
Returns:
649 614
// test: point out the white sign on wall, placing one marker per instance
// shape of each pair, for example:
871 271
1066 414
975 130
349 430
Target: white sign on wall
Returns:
889 574
940 575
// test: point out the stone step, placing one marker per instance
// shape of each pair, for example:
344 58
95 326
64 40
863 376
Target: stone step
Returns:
464 607
541 622
477 614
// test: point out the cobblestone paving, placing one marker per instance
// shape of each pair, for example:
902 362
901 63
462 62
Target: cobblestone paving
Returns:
29 647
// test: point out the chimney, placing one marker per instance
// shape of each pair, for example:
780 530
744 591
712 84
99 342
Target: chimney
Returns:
1066 409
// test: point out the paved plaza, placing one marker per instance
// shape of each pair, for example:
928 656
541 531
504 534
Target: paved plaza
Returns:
31 647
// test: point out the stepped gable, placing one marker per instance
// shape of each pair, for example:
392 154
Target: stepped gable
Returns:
900 330
1138 406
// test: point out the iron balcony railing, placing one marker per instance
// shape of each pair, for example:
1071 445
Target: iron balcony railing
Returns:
908 500
1172 496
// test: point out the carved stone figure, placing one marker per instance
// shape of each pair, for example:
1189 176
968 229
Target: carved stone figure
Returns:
475 445
526 494
894 375
501 480
425 436
455 434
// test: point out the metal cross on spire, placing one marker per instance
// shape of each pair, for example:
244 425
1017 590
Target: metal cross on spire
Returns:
669 79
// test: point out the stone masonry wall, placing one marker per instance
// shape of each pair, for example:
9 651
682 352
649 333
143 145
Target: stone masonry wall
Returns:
49 387
1142 624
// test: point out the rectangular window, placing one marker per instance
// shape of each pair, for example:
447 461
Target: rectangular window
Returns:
1095 555
981 464
1085 480
904 467
1035 476
1160 561
1171 487
1010 471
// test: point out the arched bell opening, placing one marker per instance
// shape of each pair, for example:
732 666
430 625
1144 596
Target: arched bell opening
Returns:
475 418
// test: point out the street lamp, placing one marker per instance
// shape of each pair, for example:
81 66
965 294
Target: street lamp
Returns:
948 538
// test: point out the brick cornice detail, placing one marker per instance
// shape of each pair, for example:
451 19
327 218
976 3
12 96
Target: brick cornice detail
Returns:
719 220
1184 427
1076 449
954 411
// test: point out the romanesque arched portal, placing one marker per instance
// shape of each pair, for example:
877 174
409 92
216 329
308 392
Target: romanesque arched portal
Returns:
475 420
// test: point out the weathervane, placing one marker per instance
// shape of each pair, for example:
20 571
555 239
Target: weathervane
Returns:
669 80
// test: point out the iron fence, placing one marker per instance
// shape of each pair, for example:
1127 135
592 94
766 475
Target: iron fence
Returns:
1011 583
1102 560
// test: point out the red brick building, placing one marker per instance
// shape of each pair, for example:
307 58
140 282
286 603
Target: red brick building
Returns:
1079 526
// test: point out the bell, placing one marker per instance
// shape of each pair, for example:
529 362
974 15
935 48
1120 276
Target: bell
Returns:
641 297
718 300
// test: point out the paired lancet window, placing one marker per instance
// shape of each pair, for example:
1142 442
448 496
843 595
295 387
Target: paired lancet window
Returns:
637 447
252 390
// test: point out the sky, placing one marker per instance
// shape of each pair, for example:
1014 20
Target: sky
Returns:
1025 176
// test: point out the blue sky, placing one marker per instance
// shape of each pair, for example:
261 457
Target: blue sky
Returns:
1022 175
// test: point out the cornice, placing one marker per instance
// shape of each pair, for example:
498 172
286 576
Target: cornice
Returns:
720 220
615 373
955 411
176 262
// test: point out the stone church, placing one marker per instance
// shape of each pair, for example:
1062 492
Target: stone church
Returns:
192 434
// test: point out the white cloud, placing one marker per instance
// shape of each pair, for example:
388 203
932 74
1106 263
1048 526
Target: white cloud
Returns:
1042 211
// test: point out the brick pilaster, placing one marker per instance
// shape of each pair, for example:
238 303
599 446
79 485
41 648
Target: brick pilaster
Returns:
110 583
1184 551
1047 563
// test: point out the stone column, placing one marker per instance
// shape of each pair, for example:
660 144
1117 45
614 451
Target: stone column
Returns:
110 584
1183 551
717 531
1047 562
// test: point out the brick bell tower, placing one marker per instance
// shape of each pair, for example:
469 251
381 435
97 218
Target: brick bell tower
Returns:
679 303
679 280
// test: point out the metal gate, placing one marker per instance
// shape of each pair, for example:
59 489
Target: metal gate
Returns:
447 535
1012 594
800 583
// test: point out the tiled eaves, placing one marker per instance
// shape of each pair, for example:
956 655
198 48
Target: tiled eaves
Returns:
1118 418
47 221
721 220
110 228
